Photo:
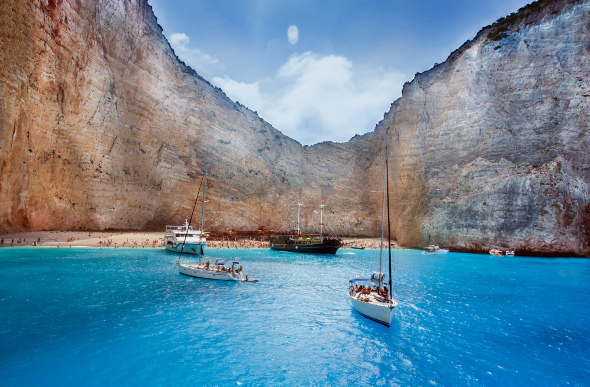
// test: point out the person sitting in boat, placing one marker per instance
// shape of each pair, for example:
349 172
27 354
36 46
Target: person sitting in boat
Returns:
206 265
385 291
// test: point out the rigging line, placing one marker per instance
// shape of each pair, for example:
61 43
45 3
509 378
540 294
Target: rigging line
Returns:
190 220
388 218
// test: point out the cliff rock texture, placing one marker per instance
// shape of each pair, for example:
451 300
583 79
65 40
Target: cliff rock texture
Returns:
491 147
101 126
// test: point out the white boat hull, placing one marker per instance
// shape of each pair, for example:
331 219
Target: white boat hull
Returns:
188 248
195 271
377 311
441 251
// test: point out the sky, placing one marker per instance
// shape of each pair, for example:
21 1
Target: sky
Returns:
320 70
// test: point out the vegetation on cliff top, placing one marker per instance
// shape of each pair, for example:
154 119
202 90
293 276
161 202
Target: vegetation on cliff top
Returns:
526 15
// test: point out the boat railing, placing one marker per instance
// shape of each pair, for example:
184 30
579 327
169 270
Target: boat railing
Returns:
182 229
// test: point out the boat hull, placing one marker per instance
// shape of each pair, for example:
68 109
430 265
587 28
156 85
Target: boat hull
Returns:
311 249
194 271
189 248
376 311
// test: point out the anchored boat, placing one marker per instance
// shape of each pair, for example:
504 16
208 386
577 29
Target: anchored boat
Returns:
497 252
434 250
375 301
303 243
177 237
295 241
223 270
219 270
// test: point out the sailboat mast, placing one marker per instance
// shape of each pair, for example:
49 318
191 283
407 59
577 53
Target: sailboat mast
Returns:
388 218
298 215
189 222
322 215
383 211
203 206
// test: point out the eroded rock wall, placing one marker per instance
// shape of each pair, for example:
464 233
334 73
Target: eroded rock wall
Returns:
102 127
491 147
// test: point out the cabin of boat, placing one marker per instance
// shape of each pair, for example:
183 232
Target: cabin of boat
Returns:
184 238
305 243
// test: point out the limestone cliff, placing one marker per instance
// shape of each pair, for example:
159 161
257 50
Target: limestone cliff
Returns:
101 126
490 148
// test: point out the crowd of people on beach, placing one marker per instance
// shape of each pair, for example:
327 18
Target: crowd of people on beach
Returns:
140 240
237 244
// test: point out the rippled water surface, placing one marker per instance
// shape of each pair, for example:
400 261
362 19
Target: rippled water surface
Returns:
126 317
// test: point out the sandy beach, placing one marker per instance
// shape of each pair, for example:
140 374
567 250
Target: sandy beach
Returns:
137 239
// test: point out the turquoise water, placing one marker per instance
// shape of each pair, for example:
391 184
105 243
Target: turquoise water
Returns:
126 317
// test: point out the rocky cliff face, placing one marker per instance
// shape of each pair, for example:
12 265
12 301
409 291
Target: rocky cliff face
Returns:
102 127
490 148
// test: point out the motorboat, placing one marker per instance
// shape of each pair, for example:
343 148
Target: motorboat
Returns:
184 239
509 252
432 249
497 252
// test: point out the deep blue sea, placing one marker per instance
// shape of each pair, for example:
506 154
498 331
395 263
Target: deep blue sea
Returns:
87 317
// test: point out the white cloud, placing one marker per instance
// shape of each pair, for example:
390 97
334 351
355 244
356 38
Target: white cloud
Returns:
245 93
203 63
316 98
293 34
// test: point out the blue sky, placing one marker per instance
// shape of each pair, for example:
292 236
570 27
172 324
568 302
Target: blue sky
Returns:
320 70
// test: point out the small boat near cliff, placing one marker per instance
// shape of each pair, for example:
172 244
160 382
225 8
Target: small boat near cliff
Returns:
184 238
497 252
432 249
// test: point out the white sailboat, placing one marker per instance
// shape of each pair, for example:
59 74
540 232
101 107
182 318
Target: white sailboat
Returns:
224 270
373 300
219 270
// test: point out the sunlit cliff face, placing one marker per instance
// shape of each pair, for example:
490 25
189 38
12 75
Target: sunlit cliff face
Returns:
102 127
